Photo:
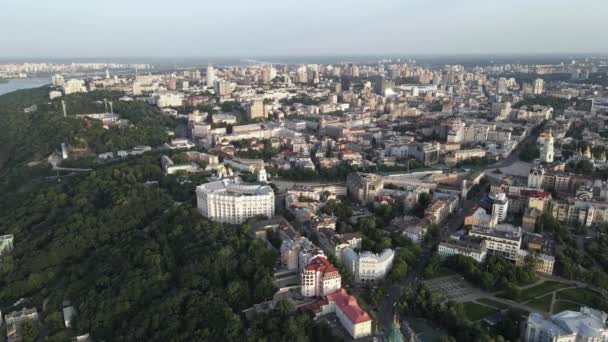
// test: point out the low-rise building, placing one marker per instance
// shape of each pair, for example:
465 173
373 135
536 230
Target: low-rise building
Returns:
504 241
324 222
364 187
177 144
543 263
474 248
437 212
169 167
414 228
456 157
355 320
15 319
351 316
480 218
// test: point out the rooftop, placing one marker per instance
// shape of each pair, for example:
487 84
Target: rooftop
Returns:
234 187
320 264
349 306
588 322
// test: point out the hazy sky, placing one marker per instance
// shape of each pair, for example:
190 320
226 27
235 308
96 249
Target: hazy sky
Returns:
120 28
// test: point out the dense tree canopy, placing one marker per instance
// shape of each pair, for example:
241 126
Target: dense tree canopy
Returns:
32 137
137 267
124 243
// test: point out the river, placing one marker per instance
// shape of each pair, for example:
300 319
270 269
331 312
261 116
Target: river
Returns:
22 83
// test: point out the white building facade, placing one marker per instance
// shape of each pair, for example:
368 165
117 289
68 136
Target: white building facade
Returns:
587 325
228 201
368 267
320 278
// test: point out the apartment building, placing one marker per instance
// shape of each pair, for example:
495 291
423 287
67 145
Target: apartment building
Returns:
504 241
320 278
363 187
474 248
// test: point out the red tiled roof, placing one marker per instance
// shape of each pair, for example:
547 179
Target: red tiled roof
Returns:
536 194
349 306
320 264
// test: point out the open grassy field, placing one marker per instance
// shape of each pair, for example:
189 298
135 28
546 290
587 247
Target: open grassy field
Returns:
477 311
493 303
539 290
585 297
542 303
562 305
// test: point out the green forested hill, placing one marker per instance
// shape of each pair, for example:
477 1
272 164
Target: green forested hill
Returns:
137 264
32 137
137 267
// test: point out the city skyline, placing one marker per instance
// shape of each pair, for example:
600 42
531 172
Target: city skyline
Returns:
288 28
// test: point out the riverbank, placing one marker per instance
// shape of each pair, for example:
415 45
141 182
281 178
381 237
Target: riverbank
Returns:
8 86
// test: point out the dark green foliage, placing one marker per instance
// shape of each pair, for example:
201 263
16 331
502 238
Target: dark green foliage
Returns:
265 153
137 264
479 161
423 202
546 223
29 331
583 167
136 267
449 315
597 248
303 99
556 102
280 325
33 137
493 274
529 152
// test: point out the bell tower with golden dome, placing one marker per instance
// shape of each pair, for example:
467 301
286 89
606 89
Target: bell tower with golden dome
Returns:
547 154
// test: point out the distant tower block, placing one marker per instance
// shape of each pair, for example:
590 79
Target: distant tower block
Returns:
262 175
64 151
107 74
63 107
111 107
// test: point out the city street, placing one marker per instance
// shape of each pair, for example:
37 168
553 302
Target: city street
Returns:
455 222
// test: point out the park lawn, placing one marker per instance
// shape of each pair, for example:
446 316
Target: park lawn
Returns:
562 305
542 303
494 303
521 312
476 311
540 289
585 297
442 272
